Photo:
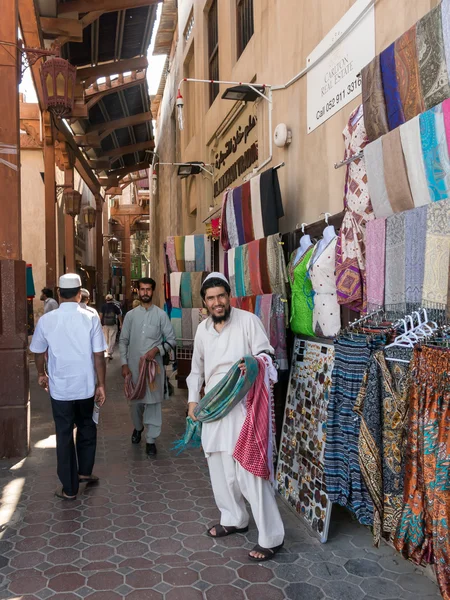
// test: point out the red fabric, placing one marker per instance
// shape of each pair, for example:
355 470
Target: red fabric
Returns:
247 213
254 268
223 224
251 449
147 375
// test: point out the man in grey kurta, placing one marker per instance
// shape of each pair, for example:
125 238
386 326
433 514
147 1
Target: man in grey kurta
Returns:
144 331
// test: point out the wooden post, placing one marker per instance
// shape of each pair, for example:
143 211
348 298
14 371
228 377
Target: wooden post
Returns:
69 226
14 383
127 258
50 204
99 249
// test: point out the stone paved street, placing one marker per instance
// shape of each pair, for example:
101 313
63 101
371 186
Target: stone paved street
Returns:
139 534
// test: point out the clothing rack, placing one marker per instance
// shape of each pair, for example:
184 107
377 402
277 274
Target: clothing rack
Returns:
338 165
365 318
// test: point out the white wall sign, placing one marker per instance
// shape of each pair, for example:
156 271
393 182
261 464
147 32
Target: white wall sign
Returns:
336 79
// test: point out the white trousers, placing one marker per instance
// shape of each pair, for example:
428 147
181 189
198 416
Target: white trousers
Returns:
148 415
110 333
231 483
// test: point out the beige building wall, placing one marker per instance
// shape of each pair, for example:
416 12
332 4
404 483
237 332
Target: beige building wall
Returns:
33 219
285 33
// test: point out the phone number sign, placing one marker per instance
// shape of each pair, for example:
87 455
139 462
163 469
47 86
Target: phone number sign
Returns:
336 78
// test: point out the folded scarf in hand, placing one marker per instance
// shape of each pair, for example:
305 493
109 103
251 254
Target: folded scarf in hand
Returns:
147 375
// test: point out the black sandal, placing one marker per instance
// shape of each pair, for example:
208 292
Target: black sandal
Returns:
224 531
62 494
88 479
268 553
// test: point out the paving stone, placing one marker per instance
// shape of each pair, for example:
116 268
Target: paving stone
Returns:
269 592
337 590
397 564
255 573
413 582
222 592
327 571
292 572
362 567
380 588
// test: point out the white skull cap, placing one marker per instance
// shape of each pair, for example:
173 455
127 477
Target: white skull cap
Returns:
215 275
69 281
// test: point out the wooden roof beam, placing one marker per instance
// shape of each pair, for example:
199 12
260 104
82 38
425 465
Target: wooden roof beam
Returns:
116 152
112 68
120 81
70 29
108 126
85 6
118 174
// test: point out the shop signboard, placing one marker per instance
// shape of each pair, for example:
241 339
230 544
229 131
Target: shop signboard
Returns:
236 152
136 267
336 78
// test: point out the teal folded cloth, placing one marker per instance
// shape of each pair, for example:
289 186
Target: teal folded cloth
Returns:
219 401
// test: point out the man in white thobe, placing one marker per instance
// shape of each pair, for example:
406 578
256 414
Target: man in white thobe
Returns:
145 330
226 336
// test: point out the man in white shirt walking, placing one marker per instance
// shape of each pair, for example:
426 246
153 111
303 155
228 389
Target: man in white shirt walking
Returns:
224 338
75 344
48 300
84 302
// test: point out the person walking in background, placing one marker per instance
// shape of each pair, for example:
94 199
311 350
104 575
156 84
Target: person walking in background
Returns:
48 300
144 331
110 315
84 302
75 344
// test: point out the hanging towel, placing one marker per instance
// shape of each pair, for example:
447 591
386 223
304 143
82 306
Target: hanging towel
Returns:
394 107
199 242
375 116
179 253
407 71
175 282
395 291
186 324
237 203
265 278
415 239
271 204
232 270
373 155
432 64
255 197
255 267
445 13
196 284
189 253
224 239
247 213
171 256
395 176
430 148
231 221
375 263
175 317
437 253
412 151
186 290
239 271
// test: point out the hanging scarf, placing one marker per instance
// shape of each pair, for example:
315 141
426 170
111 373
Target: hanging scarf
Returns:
394 107
395 176
147 374
186 290
276 265
189 253
179 253
255 195
247 213
231 222
219 401
239 271
247 282
445 13
175 318
375 117
224 239
415 240
435 292
407 70
395 292
170 251
264 267
431 156
237 203
186 323
208 256
375 263
373 154
175 282
412 151
232 270
196 285
255 268
199 243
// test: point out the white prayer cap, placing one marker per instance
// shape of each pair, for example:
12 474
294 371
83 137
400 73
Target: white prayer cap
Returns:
215 275
69 281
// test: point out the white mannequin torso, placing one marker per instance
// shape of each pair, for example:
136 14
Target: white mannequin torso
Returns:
305 243
329 233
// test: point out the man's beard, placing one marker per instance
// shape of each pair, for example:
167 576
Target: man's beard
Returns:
223 318
146 299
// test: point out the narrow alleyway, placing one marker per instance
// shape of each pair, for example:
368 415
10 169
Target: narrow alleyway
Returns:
139 534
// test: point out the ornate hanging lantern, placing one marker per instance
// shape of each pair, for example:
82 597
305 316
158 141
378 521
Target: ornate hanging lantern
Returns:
88 217
58 83
72 202
113 245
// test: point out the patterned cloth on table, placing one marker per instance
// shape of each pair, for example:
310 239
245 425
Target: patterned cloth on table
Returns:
373 155
373 100
247 213
186 290
434 168
278 320
233 236
394 109
171 257
179 253
232 270
437 258
255 199
351 243
375 263
199 242
239 271
276 265
407 71
224 238
189 253
395 176
175 318
237 203
412 151
175 285
326 311
415 240
431 54
301 293
395 280
271 204
344 482
423 532
383 405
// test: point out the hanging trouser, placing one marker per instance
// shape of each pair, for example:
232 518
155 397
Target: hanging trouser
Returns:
423 532
232 485
148 416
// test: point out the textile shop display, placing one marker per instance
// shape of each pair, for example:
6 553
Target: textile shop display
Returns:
185 322
326 312
251 211
350 249
409 76
423 532
375 263
300 477
383 406
188 253
301 321
273 312
185 289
